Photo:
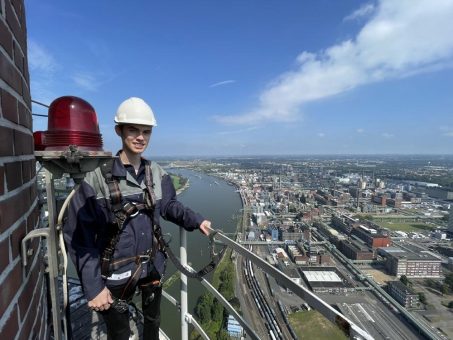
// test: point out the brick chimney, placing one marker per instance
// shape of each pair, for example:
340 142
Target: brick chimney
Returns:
23 297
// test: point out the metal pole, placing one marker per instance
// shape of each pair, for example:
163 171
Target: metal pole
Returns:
53 257
347 326
183 258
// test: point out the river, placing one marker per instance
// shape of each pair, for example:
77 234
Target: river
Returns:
219 202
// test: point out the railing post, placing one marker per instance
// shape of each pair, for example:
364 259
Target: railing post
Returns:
184 308
53 260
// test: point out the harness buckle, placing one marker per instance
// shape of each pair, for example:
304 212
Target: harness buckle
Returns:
135 213
143 259
131 209
120 305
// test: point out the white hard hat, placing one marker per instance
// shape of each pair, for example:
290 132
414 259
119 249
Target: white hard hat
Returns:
135 111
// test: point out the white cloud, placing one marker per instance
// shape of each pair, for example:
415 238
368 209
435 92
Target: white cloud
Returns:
447 131
43 72
232 132
321 134
86 81
363 11
360 130
403 38
40 59
225 82
387 135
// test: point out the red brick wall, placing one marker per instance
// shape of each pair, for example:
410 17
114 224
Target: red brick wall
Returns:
23 306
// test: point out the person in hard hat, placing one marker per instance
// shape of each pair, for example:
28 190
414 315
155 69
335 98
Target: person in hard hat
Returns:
112 221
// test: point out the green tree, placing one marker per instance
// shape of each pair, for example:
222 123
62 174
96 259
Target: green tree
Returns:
226 287
235 303
422 298
404 280
450 304
203 307
445 289
430 283
226 274
449 280
223 335
217 311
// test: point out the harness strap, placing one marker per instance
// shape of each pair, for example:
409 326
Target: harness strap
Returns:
150 200
112 184
107 264
121 210
215 258
139 259
150 196
115 227
132 282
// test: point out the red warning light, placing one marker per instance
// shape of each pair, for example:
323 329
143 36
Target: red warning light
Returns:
72 121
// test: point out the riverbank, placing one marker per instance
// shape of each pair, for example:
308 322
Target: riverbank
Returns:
184 187
211 313
203 196
177 179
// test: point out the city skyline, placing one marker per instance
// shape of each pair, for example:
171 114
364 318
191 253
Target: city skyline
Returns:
255 79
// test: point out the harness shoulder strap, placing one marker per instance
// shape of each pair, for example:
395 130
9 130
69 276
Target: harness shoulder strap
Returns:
119 213
114 189
150 196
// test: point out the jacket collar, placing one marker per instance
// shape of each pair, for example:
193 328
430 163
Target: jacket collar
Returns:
118 169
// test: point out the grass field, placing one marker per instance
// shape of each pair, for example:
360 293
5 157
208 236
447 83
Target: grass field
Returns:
312 325
176 182
406 227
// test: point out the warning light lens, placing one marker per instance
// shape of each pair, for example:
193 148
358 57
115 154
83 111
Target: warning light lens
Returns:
71 121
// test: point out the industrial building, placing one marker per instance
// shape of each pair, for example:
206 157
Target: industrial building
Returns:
324 279
298 256
330 233
344 223
371 237
414 263
234 329
450 221
292 236
403 294
440 193
355 250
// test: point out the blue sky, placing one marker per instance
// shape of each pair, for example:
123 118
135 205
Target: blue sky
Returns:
255 77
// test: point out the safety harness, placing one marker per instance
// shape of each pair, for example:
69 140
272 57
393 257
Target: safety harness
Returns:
122 210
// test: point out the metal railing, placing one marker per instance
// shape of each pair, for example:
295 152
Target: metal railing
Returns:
52 233
346 325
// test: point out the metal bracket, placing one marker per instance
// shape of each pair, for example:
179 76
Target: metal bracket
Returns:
44 232
188 317
73 161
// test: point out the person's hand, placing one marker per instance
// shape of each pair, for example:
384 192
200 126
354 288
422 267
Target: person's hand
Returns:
205 227
102 301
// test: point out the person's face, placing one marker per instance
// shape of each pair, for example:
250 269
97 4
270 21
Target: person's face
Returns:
135 137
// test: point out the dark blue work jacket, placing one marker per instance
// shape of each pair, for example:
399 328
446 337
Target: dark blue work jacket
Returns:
88 219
